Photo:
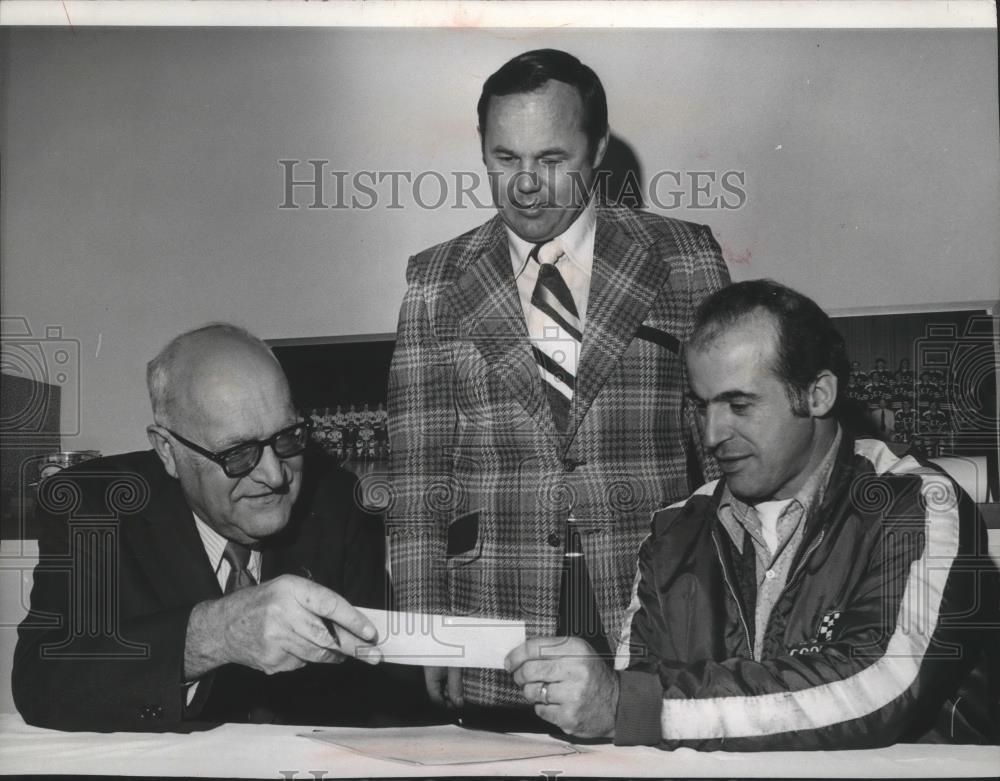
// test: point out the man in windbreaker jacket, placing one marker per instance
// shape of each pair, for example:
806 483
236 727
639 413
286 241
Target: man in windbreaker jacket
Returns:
824 594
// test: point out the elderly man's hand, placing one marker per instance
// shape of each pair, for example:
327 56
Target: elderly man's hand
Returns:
276 626
580 694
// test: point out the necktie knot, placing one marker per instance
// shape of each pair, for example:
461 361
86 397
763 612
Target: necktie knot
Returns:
547 253
238 556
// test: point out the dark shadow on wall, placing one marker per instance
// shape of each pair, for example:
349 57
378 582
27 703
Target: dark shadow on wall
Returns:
620 175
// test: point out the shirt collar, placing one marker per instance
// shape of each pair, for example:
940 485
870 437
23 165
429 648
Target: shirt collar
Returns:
577 242
732 510
214 542
215 545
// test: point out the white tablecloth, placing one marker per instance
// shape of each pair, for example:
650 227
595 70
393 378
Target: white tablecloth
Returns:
265 751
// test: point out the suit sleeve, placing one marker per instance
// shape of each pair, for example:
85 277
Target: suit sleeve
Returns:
707 272
82 661
910 631
422 420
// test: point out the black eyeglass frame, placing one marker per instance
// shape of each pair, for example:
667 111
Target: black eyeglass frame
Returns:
222 456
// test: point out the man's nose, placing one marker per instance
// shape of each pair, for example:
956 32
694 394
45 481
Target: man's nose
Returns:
269 470
717 428
527 180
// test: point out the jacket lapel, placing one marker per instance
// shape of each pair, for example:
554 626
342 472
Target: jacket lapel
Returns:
627 276
165 536
486 311
295 550
626 279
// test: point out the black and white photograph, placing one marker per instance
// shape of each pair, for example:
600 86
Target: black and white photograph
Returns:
516 388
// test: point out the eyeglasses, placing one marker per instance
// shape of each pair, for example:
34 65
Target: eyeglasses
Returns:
240 460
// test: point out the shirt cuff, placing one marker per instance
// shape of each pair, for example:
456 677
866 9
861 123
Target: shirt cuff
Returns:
640 701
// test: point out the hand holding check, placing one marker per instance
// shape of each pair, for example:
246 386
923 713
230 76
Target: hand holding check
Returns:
277 626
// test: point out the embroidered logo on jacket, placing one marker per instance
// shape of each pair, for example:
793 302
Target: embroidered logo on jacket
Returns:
824 634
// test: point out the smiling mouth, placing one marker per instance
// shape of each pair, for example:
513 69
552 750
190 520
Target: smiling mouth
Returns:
265 498
532 207
729 463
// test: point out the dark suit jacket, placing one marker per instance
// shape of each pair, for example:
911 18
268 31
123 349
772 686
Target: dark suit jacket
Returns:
121 565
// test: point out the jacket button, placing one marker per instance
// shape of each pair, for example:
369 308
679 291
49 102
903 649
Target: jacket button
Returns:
569 465
554 540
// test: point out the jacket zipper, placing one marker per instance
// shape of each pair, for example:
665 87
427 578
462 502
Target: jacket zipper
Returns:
805 558
793 575
736 599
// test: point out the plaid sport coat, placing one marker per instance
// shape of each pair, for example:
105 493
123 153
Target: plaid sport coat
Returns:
483 481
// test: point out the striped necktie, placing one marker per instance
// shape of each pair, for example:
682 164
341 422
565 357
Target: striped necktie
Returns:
238 557
557 349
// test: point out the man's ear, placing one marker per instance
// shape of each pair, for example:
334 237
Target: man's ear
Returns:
602 149
822 394
160 440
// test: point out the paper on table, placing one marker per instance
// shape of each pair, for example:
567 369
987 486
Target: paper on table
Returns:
444 745
444 641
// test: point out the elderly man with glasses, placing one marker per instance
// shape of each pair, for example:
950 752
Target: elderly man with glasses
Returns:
213 578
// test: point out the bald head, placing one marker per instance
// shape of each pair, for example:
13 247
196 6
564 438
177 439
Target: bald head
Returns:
217 364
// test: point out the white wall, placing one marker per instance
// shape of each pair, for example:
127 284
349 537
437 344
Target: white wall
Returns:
141 184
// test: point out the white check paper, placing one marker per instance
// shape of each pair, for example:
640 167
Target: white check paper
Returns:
444 641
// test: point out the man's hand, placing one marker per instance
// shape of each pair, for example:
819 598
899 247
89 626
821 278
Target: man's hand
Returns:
444 686
276 626
581 690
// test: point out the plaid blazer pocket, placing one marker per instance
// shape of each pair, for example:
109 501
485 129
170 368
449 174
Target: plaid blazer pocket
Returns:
466 575
464 544
662 338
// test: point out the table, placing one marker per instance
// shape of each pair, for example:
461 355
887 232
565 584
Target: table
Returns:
268 751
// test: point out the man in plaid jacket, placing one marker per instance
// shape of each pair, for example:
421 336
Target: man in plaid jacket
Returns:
518 439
